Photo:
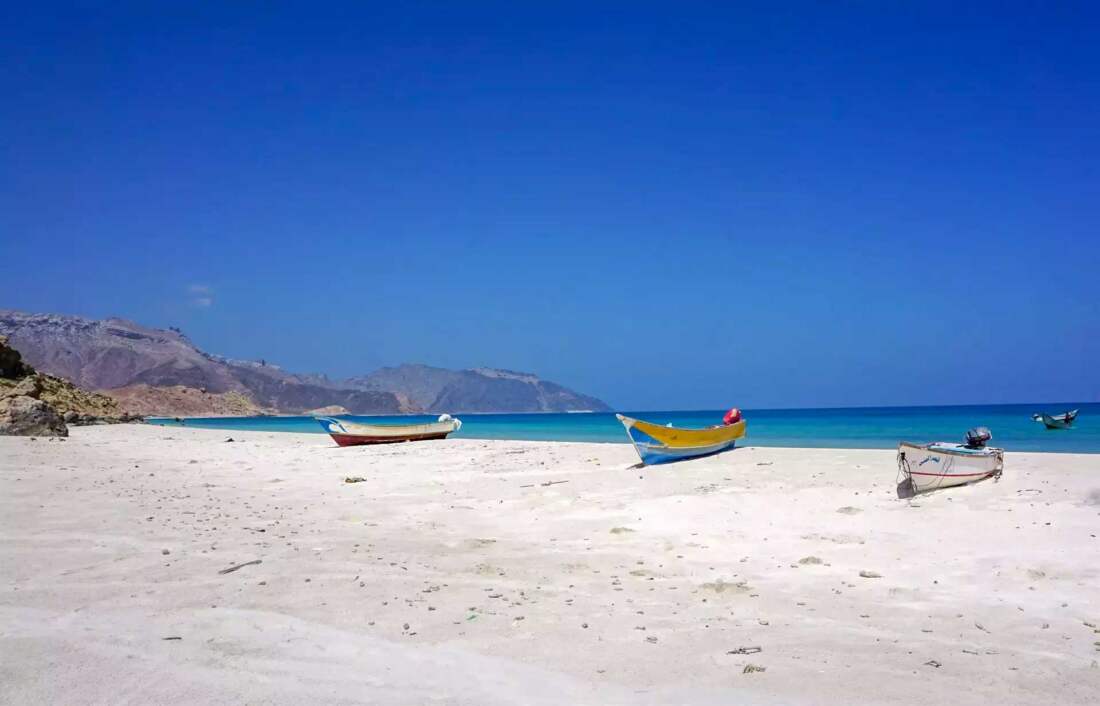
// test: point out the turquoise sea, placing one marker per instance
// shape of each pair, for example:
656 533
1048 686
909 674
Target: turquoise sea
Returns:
863 427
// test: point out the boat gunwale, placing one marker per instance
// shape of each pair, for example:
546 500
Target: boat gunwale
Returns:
624 419
349 426
976 453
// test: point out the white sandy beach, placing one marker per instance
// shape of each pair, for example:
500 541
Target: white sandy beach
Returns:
456 574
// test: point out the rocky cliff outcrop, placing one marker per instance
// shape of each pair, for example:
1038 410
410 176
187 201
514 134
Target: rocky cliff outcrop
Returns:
33 403
12 366
26 416
21 412
67 398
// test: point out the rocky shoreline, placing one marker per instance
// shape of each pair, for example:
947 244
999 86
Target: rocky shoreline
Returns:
36 404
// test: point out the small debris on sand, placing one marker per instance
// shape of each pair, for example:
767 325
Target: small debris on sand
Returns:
809 560
848 510
721 586
354 479
870 574
745 651
231 569
750 668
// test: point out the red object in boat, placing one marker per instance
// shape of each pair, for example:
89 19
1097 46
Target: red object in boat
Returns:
732 417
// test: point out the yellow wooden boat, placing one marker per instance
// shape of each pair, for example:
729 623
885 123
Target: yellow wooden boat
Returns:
658 444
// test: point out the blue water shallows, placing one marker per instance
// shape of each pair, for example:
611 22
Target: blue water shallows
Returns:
850 428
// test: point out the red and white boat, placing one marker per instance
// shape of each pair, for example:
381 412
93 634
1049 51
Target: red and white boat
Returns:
942 464
346 433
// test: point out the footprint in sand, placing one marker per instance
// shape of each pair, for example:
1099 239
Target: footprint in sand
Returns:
721 586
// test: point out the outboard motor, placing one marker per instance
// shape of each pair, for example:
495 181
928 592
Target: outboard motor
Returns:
977 437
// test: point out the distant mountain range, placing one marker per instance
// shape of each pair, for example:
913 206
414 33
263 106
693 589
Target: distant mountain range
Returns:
476 390
136 361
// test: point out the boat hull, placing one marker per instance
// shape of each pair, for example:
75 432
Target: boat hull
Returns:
656 444
347 433
357 440
653 455
938 465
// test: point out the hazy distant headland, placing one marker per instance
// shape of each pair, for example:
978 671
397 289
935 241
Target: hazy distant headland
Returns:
160 371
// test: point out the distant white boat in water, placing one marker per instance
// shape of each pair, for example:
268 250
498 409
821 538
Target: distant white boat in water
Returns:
942 464
1056 421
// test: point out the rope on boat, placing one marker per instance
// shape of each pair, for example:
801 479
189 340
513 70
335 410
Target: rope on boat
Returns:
904 470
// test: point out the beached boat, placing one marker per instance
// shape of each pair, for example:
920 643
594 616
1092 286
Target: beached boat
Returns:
942 464
1056 421
657 444
346 433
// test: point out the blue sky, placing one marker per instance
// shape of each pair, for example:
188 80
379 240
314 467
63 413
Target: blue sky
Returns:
668 206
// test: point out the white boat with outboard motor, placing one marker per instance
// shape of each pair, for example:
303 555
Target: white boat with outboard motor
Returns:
942 464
